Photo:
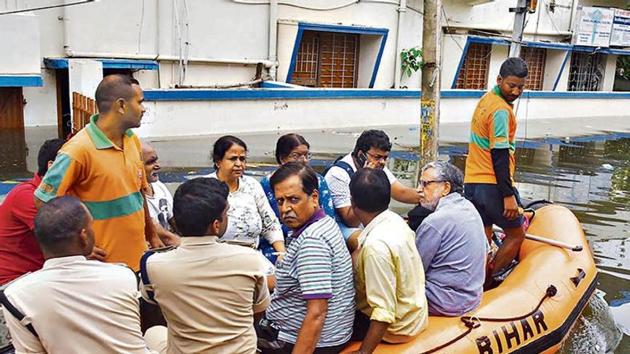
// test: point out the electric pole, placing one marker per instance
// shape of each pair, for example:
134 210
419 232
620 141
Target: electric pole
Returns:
430 100
520 12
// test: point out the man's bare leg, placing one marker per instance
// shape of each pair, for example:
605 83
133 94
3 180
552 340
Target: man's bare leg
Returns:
509 249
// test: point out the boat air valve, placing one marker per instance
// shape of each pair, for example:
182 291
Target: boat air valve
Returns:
551 291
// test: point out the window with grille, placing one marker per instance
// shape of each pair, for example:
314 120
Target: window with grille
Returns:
535 59
327 59
586 72
473 74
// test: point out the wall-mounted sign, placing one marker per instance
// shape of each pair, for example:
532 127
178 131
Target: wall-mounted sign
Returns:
621 29
594 27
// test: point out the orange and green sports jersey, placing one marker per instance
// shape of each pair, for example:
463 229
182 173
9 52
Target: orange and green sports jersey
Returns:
108 180
493 127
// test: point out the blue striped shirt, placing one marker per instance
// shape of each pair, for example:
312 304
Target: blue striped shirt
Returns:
317 265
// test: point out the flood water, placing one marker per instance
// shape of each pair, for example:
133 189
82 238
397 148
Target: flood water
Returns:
589 175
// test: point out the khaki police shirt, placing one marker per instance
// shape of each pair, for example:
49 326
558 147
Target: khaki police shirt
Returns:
77 306
208 292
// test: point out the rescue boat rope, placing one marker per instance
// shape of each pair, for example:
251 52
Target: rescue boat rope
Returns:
473 322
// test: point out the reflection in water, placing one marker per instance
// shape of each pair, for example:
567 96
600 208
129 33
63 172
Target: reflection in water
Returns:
12 152
590 176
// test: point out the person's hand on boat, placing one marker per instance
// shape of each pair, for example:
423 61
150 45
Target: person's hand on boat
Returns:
510 207
97 254
155 242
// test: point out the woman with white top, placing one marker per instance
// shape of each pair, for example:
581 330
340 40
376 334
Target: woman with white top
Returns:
249 216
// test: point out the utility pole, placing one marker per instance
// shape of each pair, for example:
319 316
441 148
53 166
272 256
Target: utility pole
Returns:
520 12
430 100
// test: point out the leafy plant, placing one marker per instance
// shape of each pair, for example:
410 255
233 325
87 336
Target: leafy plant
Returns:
411 60
623 67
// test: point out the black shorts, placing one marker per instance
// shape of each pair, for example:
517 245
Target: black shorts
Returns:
489 203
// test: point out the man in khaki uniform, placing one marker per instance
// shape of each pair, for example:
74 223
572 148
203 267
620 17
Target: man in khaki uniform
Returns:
73 305
208 291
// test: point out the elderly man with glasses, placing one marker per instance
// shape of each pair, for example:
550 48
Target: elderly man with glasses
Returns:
451 242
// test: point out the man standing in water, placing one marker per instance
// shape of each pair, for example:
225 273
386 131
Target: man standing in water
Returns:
102 166
489 177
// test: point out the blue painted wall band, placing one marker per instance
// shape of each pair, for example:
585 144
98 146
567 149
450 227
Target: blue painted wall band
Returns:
21 81
292 93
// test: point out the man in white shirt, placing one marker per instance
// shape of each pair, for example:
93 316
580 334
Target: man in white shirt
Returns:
73 305
159 199
370 150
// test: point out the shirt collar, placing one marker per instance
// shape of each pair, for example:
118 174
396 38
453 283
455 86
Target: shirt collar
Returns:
198 240
447 200
37 179
59 261
317 216
99 138
497 91
377 220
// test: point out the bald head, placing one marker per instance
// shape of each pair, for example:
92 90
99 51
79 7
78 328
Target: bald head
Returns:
151 165
112 88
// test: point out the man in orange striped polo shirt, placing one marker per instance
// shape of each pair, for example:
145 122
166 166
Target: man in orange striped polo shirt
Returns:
102 166
490 165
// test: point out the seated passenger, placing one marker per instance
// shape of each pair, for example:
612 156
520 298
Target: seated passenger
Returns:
19 251
451 242
250 215
388 270
294 148
73 305
159 199
312 307
208 291
371 150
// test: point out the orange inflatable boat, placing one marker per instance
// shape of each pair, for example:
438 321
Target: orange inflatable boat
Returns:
532 310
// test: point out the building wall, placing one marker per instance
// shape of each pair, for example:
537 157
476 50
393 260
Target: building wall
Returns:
609 74
554 61
41 102
494 15
19 31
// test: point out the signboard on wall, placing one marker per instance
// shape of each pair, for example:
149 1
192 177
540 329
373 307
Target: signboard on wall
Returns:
594 27
621 28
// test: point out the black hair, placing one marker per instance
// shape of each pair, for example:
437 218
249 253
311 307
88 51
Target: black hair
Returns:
306 173
197 204
287 143
47 152
513 67
111 88
223 144
59 222
370 190
372 138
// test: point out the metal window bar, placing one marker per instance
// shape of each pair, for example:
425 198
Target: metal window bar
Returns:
536 59
586 72
473 74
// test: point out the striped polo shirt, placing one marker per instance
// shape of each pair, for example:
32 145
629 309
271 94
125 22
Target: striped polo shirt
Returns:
108 180
317 265
493 127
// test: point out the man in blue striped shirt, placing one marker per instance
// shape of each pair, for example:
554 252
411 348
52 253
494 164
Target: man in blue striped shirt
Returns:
312 307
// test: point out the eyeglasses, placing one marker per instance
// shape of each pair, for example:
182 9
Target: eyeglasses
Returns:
378 157
294 156
424 184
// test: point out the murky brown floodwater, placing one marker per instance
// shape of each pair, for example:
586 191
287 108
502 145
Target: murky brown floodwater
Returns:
591 176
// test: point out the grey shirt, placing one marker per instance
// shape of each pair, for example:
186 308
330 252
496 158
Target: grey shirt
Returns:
452 244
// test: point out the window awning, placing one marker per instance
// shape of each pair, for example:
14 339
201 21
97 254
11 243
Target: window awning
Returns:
135 64
550 45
